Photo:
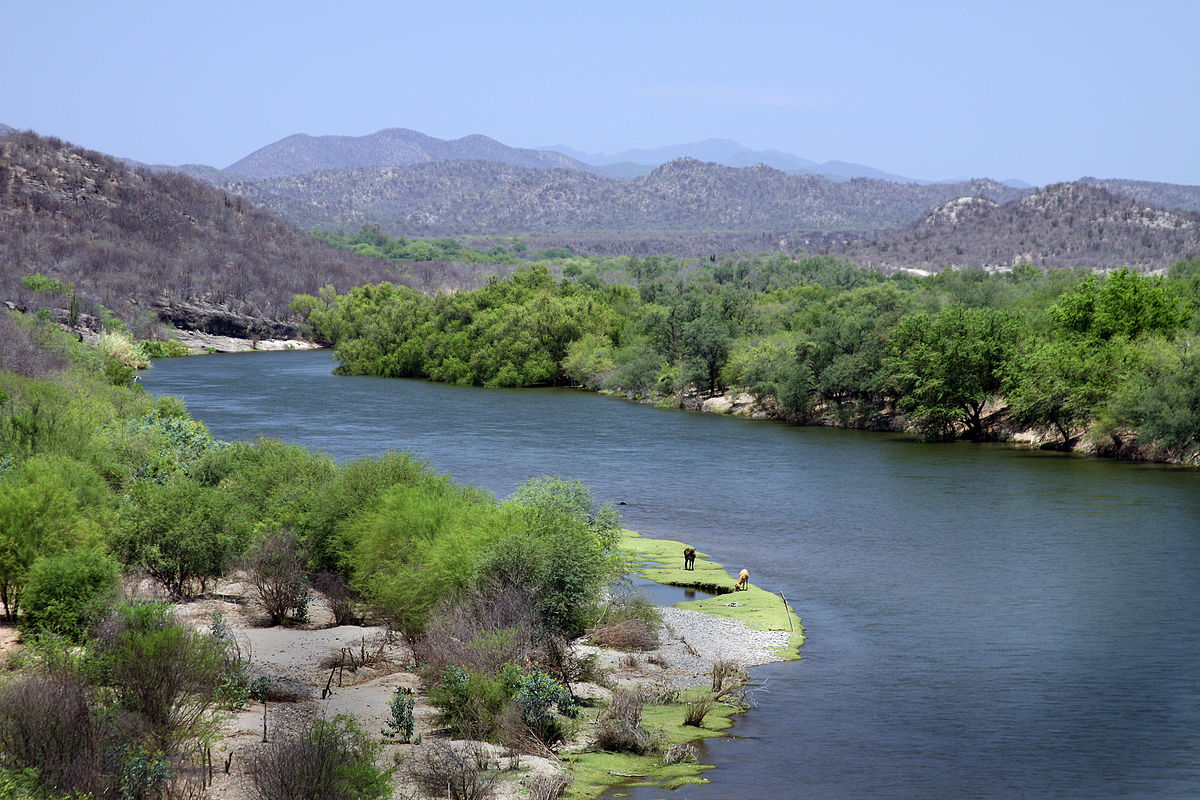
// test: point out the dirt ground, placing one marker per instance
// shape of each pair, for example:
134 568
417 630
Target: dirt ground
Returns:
328 661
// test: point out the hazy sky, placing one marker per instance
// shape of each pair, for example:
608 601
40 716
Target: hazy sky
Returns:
1042 91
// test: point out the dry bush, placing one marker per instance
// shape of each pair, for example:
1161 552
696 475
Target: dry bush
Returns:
317 759
657 661
343 601
630 661
619 728
548 787
630 634
482 630
275 565
681 753
457 773
727 676
120 346
45 723
695 711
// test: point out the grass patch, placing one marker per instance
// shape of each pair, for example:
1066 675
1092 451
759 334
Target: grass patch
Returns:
596 772
661 560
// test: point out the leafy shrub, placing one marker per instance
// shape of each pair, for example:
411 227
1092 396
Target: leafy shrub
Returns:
176 679
400 723
469 704
154 348
179 533
319 759
69 593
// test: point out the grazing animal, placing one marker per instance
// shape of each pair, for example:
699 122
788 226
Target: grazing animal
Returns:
689 558
743 581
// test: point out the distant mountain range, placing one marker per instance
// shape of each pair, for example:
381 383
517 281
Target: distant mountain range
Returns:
633 163
390 147
686 205
481 197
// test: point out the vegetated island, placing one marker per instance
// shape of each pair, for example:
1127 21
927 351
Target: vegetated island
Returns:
188 616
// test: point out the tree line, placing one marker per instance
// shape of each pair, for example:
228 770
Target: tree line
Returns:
1106 360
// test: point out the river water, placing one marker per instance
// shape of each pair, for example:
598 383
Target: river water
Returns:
982 622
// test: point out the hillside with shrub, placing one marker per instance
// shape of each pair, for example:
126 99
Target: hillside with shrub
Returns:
481 197
1063 225
135 242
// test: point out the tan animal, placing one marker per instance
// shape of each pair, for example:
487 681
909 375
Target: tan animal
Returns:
689 558
743 581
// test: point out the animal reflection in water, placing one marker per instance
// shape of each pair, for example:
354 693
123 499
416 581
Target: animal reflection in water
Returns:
689 558
743 581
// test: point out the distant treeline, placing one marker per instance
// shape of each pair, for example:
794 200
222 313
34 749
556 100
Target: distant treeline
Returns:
1107 360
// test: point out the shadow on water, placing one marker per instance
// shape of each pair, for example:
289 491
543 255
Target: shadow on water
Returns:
663 595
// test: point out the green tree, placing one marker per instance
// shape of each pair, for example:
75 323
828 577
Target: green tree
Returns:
67 594
179 532
40 515
945 369
1059 384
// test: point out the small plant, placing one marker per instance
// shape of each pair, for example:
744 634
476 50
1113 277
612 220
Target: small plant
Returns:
619 728
681 753
695 711
400 723
727 676
549 787
144 775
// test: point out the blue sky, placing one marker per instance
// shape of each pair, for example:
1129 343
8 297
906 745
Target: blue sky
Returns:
1041 91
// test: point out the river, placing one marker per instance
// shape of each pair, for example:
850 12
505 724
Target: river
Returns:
983 622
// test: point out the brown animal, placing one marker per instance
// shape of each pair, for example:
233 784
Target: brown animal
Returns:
743 581
689 558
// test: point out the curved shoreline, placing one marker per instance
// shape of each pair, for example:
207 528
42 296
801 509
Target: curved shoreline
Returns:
749 628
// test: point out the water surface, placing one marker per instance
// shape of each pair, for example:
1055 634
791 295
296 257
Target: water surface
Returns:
982 622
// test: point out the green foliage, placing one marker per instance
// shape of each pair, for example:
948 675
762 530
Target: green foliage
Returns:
69 593
1122 304
945 369
400 725
469 703
179 681
559 547
47 505
418 544
180 532
154 348
145 775
160 445
276 483
1060 384
1160 398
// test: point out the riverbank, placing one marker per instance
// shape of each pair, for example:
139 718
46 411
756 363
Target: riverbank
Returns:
744 628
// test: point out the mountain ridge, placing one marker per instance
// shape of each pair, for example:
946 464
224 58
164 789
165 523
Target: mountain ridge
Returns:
300 153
